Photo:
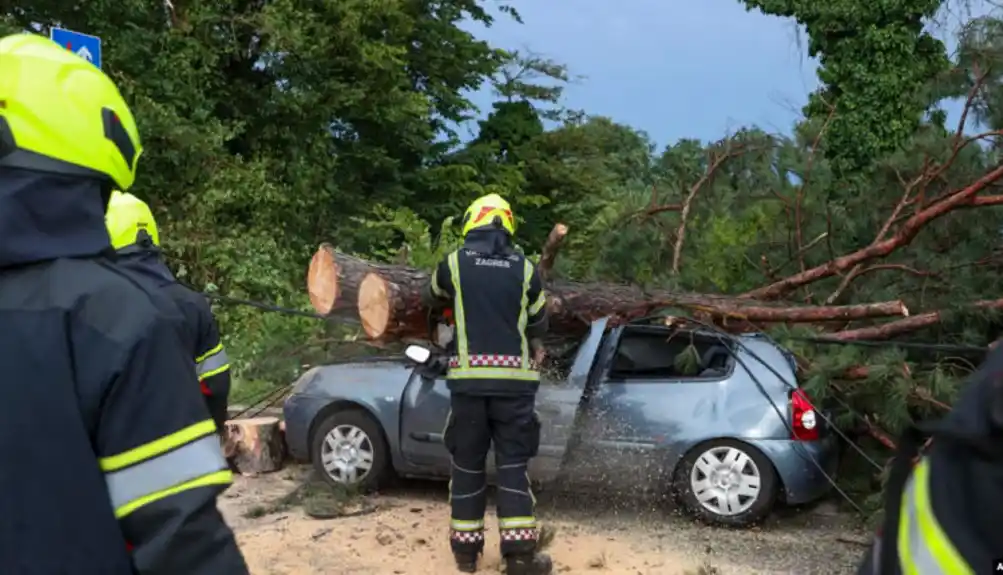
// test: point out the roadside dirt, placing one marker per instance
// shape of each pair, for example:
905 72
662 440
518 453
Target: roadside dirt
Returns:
405 535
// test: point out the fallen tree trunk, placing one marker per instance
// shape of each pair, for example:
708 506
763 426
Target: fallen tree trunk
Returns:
390 307
575 304
255 445
333 280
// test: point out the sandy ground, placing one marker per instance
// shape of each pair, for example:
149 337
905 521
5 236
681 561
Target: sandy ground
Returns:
406 535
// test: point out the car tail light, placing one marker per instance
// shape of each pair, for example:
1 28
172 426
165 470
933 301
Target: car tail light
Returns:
804 420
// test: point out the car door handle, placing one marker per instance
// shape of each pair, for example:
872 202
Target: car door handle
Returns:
426 437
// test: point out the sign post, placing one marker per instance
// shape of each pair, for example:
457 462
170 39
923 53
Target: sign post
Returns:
84 45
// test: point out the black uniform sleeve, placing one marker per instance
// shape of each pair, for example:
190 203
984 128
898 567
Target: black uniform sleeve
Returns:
440 285
537 325
212 366
162 461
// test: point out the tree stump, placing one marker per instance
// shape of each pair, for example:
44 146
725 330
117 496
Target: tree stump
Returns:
255 445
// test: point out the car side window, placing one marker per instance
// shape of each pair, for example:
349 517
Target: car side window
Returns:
557 363
654 353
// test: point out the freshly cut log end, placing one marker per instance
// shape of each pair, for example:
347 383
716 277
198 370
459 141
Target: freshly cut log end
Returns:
255 445
393 310
322 281
334 278
374 305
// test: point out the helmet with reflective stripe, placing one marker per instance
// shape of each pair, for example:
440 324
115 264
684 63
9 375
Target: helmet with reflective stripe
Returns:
61 114
130 221
489 211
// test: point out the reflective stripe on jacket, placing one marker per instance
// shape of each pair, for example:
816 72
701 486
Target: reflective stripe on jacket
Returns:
923 546
212 362
497 301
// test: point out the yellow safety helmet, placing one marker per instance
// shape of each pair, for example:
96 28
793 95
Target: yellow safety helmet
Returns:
127 218
489 210
61 114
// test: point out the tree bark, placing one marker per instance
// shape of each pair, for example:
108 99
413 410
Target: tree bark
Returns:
391 308
334 278
255 445
577 304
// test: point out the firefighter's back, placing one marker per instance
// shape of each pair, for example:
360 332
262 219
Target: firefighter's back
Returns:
493 293
68 326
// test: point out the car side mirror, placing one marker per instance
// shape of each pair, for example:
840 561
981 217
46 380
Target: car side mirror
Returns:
417 354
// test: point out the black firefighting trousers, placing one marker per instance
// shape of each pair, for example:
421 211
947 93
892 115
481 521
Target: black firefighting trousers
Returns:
475 422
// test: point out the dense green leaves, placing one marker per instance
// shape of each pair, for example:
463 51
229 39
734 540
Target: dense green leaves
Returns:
876 64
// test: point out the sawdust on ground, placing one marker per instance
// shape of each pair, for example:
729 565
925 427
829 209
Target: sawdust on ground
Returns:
405 535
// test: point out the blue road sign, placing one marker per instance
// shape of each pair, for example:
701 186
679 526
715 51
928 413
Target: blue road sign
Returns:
84 45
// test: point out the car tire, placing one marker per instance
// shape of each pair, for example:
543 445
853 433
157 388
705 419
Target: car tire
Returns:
727 482
347 430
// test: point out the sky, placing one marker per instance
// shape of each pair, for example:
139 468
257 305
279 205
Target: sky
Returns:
673 68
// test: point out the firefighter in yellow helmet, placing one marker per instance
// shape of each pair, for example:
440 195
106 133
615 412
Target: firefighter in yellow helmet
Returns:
943 504
498 306
136 240
110 462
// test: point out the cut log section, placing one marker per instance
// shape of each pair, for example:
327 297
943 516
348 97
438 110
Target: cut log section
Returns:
333 280
391 310
255 445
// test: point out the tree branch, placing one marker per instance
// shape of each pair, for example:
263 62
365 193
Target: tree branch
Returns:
902 326
799 197
716 161
549 252
858 269
908 231
881 246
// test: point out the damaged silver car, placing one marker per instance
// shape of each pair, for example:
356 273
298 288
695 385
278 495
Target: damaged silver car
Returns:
731 435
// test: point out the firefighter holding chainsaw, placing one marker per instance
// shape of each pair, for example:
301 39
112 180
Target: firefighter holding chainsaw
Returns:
497 302
942 509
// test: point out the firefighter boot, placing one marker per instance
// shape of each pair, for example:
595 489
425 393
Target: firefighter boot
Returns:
529 564
466 562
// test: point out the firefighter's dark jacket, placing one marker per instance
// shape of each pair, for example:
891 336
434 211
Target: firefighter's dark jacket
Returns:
200 331
105 442
499 307
945 517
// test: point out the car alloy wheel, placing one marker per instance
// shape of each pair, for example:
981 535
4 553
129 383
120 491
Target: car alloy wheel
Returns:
725 480
347 454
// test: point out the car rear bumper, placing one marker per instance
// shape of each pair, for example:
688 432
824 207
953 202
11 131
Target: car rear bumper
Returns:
798 464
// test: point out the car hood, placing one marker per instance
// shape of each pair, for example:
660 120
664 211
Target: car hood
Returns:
352 379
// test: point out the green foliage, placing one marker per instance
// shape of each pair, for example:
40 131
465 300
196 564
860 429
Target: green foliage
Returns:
877 61
402 236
